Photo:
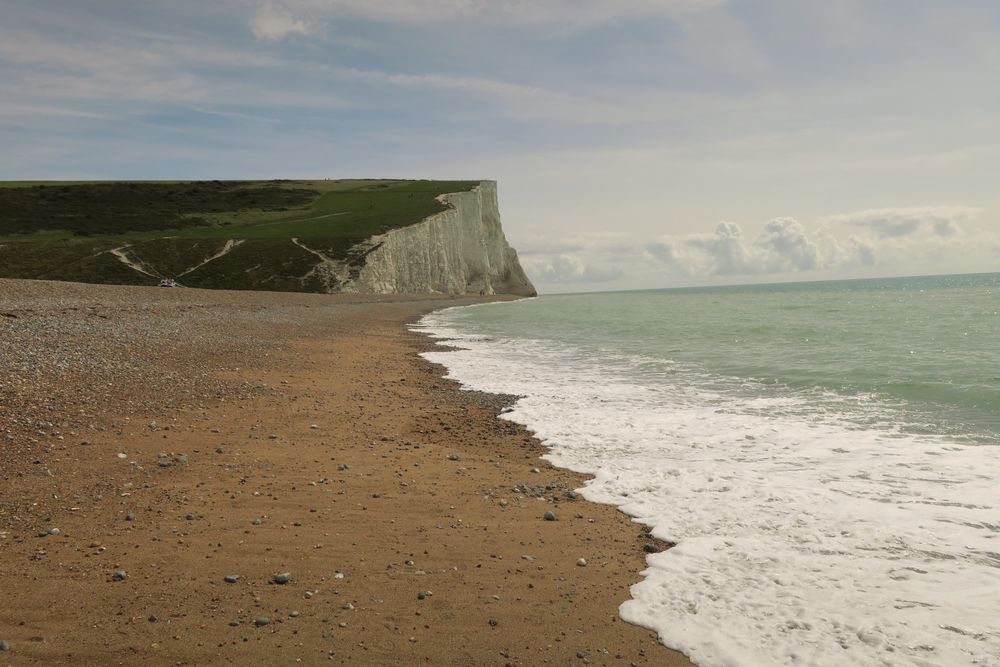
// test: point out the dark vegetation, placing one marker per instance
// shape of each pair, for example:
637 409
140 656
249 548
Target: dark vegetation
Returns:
65 231
114 208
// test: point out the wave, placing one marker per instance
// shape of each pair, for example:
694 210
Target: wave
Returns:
809 530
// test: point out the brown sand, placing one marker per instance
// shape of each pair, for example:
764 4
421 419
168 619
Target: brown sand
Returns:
183 435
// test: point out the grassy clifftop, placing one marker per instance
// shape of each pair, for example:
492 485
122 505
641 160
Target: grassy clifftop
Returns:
216 234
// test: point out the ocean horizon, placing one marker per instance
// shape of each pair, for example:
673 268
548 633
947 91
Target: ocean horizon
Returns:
823 454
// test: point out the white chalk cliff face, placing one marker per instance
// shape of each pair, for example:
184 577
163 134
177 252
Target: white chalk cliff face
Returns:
457 251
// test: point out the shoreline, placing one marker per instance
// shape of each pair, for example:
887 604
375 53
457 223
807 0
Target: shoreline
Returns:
399 553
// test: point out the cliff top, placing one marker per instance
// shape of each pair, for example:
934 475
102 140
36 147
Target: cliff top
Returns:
132 232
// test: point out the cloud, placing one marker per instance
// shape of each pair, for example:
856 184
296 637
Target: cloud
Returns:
273 22
561 13
891 239
566 268
900 222
785 238
20 110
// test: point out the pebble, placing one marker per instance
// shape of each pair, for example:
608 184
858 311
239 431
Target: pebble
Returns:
130 517
421 595
550 516
231 578
294 614
152 618
454 457
283 578
119 575
4 646
492 622
582 562
234 624
261 621
650 548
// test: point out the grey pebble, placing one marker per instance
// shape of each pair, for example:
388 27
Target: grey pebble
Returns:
234 624
454 457
130 517
550 516
4 646
119 575
421 595
152 618
294 614
650 548
492 622
283 578
231 578
261 621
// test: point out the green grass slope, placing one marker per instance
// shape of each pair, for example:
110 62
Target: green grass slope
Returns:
213 234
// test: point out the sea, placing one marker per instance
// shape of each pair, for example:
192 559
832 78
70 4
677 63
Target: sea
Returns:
824 455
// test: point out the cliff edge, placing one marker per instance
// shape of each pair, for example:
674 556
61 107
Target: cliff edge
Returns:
460 250
367 236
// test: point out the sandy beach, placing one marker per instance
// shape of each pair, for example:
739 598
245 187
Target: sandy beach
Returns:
191 477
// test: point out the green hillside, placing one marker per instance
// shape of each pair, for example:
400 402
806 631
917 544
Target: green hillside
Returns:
214 234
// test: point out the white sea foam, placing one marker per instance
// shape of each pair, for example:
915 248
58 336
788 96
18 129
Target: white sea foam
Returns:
802 537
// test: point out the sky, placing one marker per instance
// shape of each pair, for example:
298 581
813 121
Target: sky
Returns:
637 144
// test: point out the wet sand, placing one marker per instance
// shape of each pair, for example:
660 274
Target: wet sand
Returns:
175 437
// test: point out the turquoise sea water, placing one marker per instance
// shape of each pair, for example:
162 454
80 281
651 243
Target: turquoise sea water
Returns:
825 454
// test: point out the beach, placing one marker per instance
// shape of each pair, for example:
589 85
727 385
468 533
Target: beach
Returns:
156 442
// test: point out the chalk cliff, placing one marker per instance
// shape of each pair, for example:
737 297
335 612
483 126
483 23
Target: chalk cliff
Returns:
459 250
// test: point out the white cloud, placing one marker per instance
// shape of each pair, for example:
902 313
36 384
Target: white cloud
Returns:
21 110
558 13
892 240
274 22
567 268
785 239
899 222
